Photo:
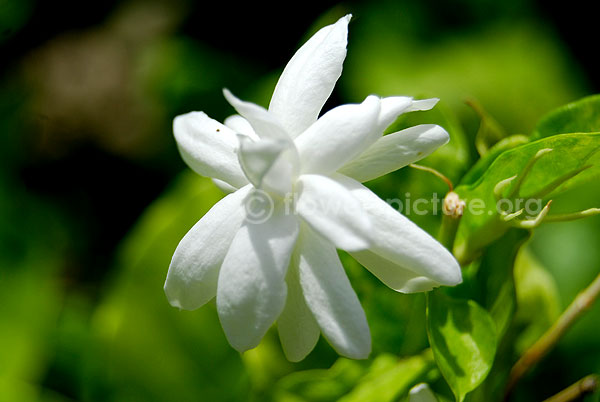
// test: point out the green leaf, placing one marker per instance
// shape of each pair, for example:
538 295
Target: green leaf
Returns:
495 278
385 379
538 300
388 378
321 385
582 116
484 163
490 282
463 339
574 160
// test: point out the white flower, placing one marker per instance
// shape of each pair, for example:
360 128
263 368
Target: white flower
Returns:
268 250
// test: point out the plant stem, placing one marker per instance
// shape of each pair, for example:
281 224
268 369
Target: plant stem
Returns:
535 353
586 385
448 230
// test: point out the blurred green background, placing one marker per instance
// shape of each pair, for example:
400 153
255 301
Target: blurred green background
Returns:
94 196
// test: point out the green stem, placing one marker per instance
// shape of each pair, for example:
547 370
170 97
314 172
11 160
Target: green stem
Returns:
586 385
448 230
535 353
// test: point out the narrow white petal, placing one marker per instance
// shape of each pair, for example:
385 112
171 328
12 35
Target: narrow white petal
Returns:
251 289
330 296
309 77
266 125
208 147
392 107
400 241
423 104
298 330
331 210
421 393
338 136
394 151
393 275
240 126
192 277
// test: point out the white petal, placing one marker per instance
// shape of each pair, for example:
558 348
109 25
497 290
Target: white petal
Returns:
423 104
269 164
266 125
399 240
421 393
208 147
251 289
392 107
338 136
394 151
192 277
332 211
330 296
225 187
393 275
298 330
309 78
240 126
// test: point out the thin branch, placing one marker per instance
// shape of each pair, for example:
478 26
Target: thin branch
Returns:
586 385
535 353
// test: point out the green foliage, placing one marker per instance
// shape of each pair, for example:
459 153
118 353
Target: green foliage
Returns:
486 160
537 297
322 384
27 315
582 116
573 160
486 64
388 378
385 379
463 338
494 280
138 331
